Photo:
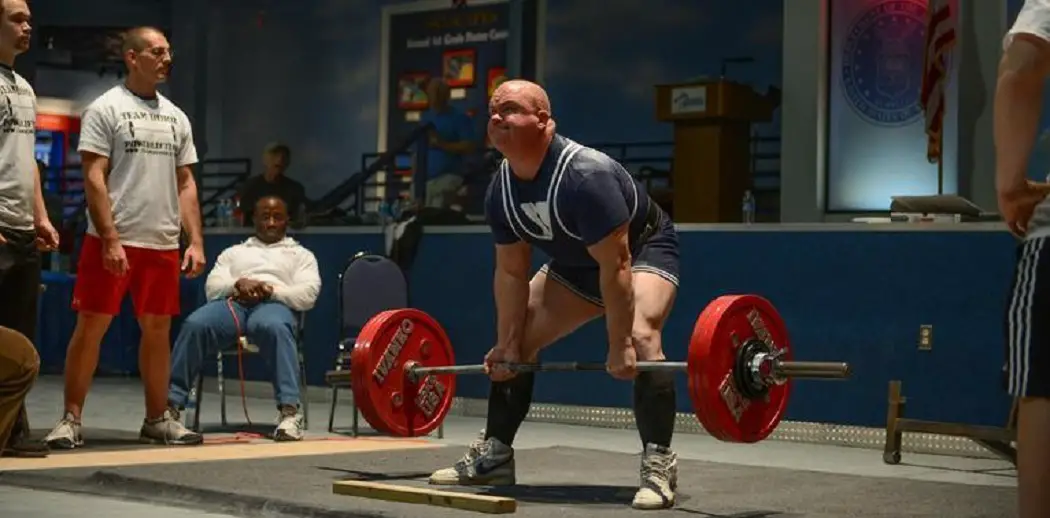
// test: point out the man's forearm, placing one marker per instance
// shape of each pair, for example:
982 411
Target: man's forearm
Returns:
39 207
191 212
1018 105
99 209
512 300
618 296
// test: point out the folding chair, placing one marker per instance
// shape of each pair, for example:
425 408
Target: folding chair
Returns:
369 284
220 357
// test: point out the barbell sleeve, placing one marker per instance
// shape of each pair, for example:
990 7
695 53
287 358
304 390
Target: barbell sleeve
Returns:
811 370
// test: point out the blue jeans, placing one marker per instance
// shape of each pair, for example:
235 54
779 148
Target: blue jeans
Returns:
271 326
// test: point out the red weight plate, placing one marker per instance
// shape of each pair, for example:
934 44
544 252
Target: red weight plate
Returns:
721 328
391 402
359 376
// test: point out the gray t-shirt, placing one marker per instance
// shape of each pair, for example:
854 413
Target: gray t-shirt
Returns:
17 141
146 140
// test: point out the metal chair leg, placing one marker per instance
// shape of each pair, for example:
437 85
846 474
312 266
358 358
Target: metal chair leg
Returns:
304 389
331 411
199 387
355 418
222 389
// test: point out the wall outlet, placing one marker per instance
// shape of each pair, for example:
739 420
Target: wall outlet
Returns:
925 337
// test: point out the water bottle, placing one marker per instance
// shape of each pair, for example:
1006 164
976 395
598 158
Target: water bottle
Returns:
236 214
748 207
224 213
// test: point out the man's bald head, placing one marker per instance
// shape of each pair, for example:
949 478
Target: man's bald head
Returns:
147 56
138 39
520 123
525 92
14 4
271 219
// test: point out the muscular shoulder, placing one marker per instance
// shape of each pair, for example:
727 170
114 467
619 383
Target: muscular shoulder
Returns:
589 161
493 193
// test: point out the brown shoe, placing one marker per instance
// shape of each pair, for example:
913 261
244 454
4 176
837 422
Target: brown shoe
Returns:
26 450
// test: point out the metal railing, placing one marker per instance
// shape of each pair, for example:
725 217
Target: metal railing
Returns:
395 182
217 180
353 191
650 162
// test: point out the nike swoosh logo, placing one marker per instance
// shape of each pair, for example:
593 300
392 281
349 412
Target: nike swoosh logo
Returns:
484 468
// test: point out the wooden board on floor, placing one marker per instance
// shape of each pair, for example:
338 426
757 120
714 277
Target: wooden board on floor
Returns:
86 458
416 495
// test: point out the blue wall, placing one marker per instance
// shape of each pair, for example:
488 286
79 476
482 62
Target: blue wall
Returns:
858 297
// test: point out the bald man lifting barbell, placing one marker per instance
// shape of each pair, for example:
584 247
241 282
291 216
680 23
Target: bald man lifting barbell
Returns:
614 253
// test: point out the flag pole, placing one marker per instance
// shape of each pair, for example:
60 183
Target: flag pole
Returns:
940 172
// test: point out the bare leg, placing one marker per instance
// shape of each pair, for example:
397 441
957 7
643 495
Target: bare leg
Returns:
654 393
554 311
1033 457
155 362
82 359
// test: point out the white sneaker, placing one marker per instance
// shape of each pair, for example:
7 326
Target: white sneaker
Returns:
168 430
66 434
290 426
488 462
659 479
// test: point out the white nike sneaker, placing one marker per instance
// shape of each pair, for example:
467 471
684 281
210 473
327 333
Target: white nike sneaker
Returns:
659 479
66 434
488 462
168 430
290 426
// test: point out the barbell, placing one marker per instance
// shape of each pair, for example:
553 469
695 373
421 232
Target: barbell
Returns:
739 368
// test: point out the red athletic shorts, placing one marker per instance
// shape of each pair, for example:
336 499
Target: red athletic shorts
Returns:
152 278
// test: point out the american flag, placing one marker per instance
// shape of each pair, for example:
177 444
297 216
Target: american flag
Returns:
940 39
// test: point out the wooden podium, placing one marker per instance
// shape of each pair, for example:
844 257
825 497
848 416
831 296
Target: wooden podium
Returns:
712 146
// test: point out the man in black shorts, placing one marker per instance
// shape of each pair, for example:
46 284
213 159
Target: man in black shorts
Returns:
25 229
1023 70
613 252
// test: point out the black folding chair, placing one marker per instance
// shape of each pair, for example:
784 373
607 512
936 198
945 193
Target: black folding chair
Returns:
369 284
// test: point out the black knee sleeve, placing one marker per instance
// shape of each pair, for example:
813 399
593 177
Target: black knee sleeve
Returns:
509 403
654 407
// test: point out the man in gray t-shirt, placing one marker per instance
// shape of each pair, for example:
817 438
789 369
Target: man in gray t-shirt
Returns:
24 225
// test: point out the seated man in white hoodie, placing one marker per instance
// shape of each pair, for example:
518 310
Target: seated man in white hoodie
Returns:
264 281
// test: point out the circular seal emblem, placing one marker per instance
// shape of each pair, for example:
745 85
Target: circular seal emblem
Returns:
882 62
